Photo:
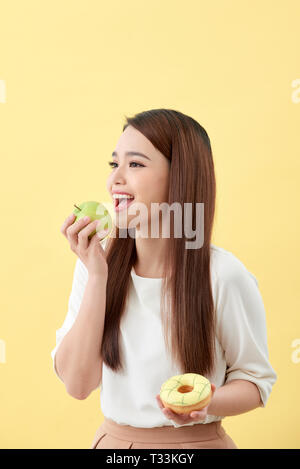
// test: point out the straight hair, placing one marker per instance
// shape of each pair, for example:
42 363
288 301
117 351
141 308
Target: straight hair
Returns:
187 307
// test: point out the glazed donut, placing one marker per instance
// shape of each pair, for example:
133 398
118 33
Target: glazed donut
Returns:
185 393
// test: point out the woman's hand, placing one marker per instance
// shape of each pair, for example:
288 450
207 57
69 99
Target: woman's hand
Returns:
181 419
90 251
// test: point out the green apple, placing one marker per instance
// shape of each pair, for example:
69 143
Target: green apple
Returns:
95 211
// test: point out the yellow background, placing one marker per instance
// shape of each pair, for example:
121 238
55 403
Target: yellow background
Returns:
72 70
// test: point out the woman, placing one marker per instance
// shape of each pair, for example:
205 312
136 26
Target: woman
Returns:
169 309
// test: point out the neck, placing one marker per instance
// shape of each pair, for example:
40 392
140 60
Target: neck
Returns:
150 257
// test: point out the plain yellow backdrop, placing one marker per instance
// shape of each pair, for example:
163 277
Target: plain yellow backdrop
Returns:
70 71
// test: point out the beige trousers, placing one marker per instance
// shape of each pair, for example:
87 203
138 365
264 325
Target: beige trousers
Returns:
111 435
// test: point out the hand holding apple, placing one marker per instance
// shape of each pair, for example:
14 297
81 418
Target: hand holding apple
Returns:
95 211
80 234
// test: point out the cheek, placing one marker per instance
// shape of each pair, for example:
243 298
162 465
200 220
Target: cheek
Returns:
159 190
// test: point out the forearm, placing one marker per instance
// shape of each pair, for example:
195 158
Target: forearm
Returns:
78 360
234 398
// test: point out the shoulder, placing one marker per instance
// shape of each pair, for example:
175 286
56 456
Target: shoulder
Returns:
227 268
236 292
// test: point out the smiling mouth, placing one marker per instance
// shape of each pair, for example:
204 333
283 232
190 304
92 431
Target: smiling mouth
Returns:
121 204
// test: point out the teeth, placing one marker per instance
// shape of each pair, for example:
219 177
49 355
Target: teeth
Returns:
122 196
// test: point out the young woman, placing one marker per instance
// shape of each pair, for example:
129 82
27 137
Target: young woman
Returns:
145 308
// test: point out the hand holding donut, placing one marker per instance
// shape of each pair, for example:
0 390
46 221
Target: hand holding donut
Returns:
181 419
185 398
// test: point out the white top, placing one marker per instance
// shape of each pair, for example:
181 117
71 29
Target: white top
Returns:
241 341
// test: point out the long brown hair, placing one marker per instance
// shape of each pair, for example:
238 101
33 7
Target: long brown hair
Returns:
189 317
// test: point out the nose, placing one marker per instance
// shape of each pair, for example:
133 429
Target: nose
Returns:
116 178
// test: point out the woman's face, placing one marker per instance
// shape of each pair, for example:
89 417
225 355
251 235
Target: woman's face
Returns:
147 179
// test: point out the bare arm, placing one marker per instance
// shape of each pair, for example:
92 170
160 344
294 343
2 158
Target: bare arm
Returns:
78 360
235 397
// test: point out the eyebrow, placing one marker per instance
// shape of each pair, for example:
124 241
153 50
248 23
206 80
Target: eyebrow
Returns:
131 153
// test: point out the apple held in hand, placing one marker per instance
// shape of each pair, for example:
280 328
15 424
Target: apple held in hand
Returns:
95 211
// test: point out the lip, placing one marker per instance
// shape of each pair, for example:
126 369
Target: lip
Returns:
121 192
118 208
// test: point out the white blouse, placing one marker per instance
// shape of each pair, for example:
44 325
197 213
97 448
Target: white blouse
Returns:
241 341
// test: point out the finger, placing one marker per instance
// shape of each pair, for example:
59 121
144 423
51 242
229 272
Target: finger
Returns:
168 413
165 410
68 221
73 229
181 419
95 245
83 241
101 233
171 415
198 415
159 401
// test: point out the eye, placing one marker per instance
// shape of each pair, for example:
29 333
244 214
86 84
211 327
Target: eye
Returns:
112 163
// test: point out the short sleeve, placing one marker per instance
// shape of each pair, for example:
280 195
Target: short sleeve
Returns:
80 278
241 326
